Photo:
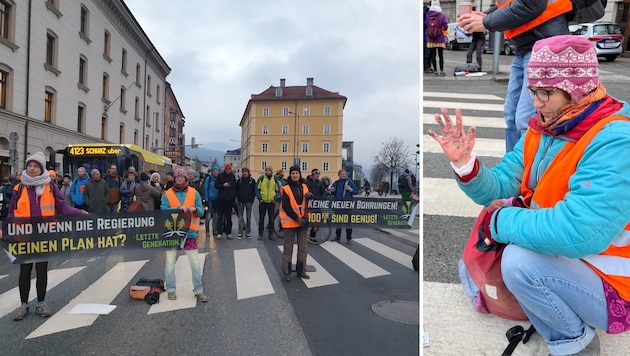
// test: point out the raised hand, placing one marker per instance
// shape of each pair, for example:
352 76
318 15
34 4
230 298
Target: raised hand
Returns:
456 144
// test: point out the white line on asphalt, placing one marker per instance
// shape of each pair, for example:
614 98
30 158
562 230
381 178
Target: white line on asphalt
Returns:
103 291
10 300
461 105
412 235
386 251
185 297
443 197
438 94
478 121
361 265
4 275
251 277
483 146
320 277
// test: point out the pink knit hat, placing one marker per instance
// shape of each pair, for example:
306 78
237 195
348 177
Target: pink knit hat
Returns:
565 62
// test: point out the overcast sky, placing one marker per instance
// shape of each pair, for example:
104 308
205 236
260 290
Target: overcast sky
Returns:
221 52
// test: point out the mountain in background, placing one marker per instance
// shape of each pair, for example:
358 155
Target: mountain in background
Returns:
206 154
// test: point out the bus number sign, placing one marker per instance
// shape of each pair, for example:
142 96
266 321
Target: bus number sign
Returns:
93 151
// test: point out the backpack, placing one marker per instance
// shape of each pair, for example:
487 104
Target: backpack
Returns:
148 290
587 10
402 182
434 29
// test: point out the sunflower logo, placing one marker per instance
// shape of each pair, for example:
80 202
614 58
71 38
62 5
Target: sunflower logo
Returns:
176 227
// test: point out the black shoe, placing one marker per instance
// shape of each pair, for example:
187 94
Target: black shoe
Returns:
304 275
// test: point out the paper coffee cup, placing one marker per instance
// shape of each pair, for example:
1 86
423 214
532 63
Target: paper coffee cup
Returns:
464 8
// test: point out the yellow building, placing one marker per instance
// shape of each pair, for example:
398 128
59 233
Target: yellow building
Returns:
269 136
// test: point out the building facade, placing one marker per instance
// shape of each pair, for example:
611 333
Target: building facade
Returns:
174 138
233 157
76 72
285 125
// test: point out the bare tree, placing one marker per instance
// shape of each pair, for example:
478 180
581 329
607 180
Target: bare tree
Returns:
394 157
377 175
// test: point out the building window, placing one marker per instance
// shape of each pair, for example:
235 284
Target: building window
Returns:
103 128
51 51
305 130
304 166
263 165
265 130
121 133
123 64
285 111
325 167
135 137
53 6
157 93
123 100
326 129
6 21
136 109
265 147
283 165
327 110
326 148
157 122
148 85
309 91
285 147
266 112
105 95
138 74
4 88
82 72
307 111
81 118
285 129
304 147
107 46
278 92
49 105
84 25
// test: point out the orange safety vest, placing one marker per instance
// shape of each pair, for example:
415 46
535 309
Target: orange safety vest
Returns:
191 195
23 206
554 9
299 209
553 186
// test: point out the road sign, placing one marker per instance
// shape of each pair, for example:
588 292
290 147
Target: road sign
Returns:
296 161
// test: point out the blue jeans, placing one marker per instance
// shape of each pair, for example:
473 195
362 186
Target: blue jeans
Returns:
563 298
519 106
212 213
169 270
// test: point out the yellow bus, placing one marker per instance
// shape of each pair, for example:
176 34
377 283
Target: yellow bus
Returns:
103 155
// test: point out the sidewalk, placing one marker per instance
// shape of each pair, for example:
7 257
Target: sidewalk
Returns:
503 75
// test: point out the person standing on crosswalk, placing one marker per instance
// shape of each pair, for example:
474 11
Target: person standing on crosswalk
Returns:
294 222
36 196
559 200
187 200
343 188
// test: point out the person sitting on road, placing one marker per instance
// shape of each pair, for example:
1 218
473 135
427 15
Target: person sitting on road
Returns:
562 198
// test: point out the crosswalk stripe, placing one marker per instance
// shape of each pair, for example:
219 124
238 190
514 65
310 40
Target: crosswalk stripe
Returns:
483 146
185 297
320 277
443 197
4 275
10 300
437 94
386 251
478 121
359 264
103 291
462 105
251 277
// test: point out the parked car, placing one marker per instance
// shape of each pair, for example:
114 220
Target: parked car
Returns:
457 37
605 36
506 47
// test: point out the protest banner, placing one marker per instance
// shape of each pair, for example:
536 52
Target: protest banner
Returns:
358 211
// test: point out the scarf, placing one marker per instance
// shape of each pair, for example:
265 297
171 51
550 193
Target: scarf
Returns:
38 182
182 188
572 111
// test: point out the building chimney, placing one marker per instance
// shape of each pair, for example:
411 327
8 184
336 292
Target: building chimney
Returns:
282 81
309 82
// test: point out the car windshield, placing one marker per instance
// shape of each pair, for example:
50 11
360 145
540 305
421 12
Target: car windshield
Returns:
606 29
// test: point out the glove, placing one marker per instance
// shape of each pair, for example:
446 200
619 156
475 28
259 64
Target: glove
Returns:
348 188
302 222
308 195
332 189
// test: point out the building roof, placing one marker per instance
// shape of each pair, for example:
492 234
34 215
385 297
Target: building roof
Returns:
297 93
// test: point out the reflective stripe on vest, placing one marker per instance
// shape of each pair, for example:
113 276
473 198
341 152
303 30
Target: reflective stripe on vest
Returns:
189 201
23 206
299 209
613 264
554 9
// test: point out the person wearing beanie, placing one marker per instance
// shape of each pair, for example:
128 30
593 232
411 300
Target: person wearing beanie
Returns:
146 193
169 180
197 183
96 193
267 192
566 233
523 23
280 179
211 196
156 182
113 182
245 194
64 188
344 188
294 221
36 197
127 189
187 201
78 187
436 41
318 189
226 185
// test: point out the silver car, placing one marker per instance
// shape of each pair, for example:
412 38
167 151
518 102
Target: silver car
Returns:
605 36
457 37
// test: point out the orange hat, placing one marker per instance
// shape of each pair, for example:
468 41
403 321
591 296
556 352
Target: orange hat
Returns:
52 173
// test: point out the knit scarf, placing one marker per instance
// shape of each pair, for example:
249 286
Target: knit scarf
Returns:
572 111
38 182
182 188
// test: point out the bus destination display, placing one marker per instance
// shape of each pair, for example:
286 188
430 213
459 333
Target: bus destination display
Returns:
93 151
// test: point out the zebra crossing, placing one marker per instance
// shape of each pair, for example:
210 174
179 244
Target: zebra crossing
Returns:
253 279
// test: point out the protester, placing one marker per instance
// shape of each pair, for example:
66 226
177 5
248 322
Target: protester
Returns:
226 184
523 22
366 186
267 192
344 188
36 197
127 189
78 187
146 192
294 222
425 50
211 196
156 183
96 193
436 42
318 189
113 182
187 200
476 45
245 194
169 180
66 185
559 199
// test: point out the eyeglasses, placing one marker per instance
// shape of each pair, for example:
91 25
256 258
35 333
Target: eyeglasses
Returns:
316 172
541 94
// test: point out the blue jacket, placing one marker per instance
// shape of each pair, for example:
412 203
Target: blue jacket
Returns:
211 193
594 211
75 190
340 191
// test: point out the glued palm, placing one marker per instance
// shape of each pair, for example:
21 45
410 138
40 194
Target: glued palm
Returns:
456 144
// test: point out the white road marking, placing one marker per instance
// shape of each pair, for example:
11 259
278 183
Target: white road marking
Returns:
386 251
361 265
251 277
320 277
185 297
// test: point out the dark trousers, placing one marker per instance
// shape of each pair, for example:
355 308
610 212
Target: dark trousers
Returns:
348 233
265 208
290 235
225 216
440 53
425 55
41 269
475 46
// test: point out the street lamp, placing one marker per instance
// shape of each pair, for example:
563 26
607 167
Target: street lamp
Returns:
296 160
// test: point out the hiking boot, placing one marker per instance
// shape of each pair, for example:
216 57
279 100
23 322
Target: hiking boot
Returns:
219 236
43 309
172 296
260 236
303 275
229 236
201 297
337 238
349 242
287 277
271 237
21 312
